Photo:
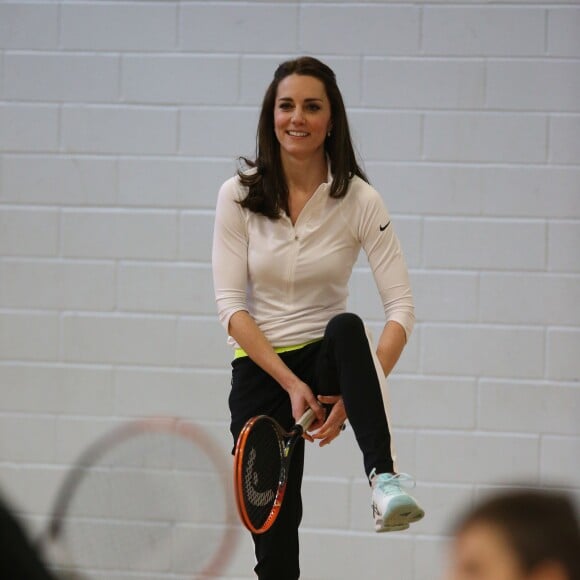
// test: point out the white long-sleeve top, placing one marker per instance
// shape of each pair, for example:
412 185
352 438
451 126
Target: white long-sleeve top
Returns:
292 279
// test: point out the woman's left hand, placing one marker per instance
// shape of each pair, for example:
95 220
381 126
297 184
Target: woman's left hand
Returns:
333 425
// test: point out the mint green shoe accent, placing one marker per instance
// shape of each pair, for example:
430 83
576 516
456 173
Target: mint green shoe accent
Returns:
393 508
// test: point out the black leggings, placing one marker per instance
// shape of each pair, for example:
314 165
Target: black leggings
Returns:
340 364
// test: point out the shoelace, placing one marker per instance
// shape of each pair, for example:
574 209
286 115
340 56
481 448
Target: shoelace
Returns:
399 479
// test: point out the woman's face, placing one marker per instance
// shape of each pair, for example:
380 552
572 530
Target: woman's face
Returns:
481 553
302 116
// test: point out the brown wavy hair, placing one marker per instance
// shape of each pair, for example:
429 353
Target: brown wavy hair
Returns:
540 526
267 187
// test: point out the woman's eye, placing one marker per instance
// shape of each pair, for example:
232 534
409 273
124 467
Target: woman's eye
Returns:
314 107
285 106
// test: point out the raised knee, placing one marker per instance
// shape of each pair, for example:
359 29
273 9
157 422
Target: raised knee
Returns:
345 323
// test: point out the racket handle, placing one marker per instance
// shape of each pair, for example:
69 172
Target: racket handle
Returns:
306 420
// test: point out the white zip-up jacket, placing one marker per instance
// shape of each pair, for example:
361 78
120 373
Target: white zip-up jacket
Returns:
292 279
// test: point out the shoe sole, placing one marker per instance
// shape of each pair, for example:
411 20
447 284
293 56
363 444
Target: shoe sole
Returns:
381 529
398 518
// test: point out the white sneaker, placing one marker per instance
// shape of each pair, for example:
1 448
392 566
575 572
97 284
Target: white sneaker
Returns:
393 508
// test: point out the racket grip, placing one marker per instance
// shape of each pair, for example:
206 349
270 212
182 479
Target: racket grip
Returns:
306 420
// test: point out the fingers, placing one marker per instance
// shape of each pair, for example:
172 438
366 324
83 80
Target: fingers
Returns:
303 398
329 399
317 422
332 427
318 410
327 435
328 440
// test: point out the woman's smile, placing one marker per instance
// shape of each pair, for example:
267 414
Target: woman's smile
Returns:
302 116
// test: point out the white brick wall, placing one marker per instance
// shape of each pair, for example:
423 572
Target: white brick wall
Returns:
61 77
118 123
114 129
28 127
484 136
565 144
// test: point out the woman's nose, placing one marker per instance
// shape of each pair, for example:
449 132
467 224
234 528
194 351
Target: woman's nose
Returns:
297 116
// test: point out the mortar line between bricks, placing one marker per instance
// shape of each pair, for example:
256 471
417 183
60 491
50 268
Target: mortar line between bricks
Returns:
178 236
547 246
354 3
485 103
548 140
168 106
298 35
546 353
60 236
239 60
2 72
60 261
212 54
60 338
422 137
477 414
486 433
120 418
96 156
362 75
116 180
202 106
120 85
177 25
484 325
59 129
114 367
546 39
421 27
478 298
178 126
59 17
116 286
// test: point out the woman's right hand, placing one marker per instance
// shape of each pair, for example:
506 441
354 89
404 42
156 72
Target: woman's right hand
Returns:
302 397
243 328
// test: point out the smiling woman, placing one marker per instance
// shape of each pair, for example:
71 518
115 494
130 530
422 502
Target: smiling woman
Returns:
287 234
302 118
306 78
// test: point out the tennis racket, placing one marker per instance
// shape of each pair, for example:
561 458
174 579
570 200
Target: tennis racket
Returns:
150 499
261 465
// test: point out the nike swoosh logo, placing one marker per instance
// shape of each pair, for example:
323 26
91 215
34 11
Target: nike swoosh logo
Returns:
383 228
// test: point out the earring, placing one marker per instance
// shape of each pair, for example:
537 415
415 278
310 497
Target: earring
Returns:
329 134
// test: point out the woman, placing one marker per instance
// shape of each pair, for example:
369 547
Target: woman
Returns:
287 233
520 535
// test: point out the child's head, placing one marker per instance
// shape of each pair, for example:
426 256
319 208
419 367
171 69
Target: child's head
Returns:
520 535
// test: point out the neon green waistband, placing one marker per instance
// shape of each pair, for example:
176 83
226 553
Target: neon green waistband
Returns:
240 352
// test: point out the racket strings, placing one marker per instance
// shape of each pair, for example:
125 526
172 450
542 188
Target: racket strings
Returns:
261 471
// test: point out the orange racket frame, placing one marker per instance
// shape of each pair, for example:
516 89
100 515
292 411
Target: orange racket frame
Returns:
286 453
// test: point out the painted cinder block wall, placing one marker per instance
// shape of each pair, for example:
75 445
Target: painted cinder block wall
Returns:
119 121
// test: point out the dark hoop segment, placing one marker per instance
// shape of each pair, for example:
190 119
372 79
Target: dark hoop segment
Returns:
173 426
